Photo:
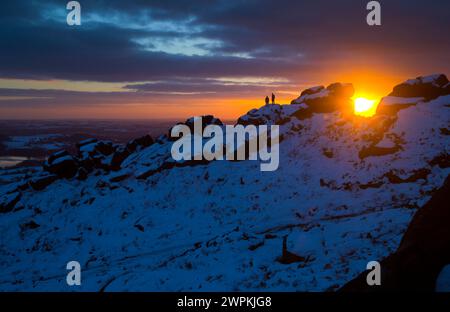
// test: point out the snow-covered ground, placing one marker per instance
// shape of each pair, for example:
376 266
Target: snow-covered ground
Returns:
221 225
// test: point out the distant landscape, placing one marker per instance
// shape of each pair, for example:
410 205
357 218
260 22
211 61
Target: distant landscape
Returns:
27 142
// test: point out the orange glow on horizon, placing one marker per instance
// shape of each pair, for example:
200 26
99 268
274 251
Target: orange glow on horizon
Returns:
369 84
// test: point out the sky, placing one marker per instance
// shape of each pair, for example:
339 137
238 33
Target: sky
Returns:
171 59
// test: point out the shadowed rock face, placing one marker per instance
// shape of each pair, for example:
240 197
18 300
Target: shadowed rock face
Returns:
423 252
428 87
336 96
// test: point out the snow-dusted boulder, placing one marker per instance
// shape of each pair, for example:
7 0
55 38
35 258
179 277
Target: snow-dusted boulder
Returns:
313 100
428 87
266 115
206 120
139 143
8 201
122 152
40 182
390 105
272 114
325 100
62 164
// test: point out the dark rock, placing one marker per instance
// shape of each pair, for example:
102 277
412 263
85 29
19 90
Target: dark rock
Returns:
336 96
85 142
141 142
29 225
391 109
377 151
288 257
42 182
105 148
416 175
62 164
206 121
119 178
423 251
82 174
56 155
442 160
310 91
144 141
428 87
139 227
270 114
119 156
328 153
9 201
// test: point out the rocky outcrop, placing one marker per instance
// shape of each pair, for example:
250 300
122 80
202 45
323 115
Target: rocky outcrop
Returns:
42 181
336 96
422 254
8 201
62 164
91 154
206 121
390 105
270 114
122 152
428 87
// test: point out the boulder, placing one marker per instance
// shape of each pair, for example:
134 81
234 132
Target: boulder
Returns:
41 182
206 121
390 105
142 142
8 201
428 87
105 148
119 156
273 114
82 174
269 114
336 96
85 142
62 164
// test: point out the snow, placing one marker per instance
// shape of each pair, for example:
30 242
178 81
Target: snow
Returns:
394 100
221 225
443 280
320 94
386 142
430 78
424 79
62 159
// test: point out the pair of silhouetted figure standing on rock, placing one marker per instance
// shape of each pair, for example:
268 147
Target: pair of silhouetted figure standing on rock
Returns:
273 99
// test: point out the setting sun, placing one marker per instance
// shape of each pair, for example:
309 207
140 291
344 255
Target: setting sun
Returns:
365 107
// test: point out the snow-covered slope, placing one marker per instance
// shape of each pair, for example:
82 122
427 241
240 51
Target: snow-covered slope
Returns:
344 193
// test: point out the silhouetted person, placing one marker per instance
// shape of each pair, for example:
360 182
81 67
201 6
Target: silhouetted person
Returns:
267 100
273 98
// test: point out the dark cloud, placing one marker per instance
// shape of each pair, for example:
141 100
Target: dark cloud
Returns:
257 38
